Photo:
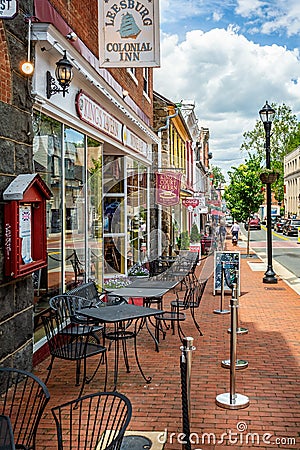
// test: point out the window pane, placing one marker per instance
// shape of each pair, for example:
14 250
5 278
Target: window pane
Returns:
74 205
95 243
47 162
136 211
113 174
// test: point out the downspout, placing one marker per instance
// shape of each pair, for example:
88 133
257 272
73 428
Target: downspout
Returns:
159 132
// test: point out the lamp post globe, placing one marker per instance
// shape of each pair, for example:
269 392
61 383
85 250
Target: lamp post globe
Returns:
267 114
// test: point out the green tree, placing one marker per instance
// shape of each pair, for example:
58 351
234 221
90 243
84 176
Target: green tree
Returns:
218 177
294 140
244 194
285 137
184 241
195 235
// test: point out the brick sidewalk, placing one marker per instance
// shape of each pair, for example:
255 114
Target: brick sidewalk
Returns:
271 313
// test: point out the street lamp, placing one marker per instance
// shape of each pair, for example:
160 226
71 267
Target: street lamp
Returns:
267 115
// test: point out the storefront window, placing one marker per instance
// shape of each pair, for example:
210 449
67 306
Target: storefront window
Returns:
136 212
113 174
74 213
74 206
114 211
94 210
47 148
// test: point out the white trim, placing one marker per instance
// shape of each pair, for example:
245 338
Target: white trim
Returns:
146 97
132 75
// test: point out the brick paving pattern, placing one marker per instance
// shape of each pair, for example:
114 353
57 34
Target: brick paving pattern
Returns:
272 420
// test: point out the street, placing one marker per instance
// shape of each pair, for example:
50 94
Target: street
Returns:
286 250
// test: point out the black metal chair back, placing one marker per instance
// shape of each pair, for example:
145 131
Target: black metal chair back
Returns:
68 307
88 291
198 294
79 270
68 304
67 342
93 422
185 301
195 301
23 398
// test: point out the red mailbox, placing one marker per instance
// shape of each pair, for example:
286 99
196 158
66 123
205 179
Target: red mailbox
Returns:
25 225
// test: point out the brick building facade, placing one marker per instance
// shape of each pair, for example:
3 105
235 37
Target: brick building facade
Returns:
50 136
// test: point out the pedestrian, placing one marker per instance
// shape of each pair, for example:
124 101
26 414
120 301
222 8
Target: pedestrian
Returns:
222 234
235 229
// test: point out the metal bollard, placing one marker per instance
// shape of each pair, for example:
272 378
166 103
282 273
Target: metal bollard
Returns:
232 400
239 330
240 363
186 356
221 310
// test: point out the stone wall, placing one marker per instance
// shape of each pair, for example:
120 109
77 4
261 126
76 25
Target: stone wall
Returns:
16 297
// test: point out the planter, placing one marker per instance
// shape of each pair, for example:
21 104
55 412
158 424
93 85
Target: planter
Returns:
269 178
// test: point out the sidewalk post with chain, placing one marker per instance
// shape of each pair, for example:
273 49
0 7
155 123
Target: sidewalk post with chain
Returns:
186 368
232 400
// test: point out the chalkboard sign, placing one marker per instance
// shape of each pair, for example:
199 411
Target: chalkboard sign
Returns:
232 264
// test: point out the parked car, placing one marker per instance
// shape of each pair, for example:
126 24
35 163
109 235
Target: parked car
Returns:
274 219
290 227
228 221
253 224
278 227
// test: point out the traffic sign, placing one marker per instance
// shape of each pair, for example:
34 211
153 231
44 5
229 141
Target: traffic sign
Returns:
8 9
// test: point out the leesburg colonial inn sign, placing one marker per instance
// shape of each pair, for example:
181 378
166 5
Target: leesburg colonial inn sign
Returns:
128 33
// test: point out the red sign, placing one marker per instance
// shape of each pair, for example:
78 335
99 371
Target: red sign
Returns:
193 202
195 248
168 188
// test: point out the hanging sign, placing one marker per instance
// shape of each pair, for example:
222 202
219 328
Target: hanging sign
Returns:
190 203
168 188
8 9
128 33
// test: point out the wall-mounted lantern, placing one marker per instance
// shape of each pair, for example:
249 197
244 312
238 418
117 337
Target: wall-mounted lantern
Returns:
64 76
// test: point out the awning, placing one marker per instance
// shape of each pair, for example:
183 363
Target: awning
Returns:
215 212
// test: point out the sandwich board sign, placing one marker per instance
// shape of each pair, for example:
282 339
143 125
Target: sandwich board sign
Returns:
231 262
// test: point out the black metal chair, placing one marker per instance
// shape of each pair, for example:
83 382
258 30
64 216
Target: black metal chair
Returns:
68 342
90 292
23 398
68 307
95 421
79 271
177 313
195 300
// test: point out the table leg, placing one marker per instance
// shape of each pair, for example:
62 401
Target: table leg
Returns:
137 328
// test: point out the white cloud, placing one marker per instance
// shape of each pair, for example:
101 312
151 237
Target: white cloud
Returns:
230 78
217 16
288 19
279 16
247 8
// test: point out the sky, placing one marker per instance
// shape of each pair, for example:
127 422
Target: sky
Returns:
229 57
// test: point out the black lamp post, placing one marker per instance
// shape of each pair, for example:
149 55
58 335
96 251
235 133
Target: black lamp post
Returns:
267 115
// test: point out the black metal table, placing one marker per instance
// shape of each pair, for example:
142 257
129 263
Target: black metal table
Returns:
116 315
6 434
146 293
155 284
139 292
